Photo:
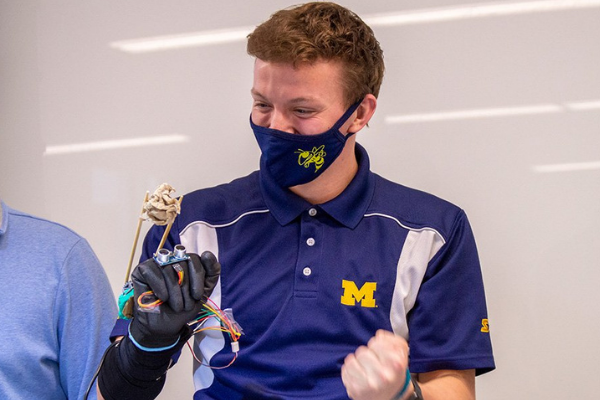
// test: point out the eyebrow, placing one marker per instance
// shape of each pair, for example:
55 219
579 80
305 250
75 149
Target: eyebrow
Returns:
292 101
254 92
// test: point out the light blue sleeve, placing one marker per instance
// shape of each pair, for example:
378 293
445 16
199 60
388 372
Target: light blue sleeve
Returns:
85 310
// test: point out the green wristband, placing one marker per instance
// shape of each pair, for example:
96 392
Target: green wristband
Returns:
405 387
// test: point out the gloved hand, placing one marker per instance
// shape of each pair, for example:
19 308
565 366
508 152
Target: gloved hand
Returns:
161 326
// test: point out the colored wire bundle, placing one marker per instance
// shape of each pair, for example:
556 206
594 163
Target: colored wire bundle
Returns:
158 302
151 304
226 324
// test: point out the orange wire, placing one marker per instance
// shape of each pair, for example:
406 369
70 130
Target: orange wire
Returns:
208 365
148 305
158 301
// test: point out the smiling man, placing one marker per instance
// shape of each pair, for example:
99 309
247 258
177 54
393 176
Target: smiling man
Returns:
331 270
301 110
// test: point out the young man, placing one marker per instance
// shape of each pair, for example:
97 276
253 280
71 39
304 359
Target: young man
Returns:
57 309
331 270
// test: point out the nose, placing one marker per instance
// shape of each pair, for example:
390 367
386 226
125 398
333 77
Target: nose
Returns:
280 121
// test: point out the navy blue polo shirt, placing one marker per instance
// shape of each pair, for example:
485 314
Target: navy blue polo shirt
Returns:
310 283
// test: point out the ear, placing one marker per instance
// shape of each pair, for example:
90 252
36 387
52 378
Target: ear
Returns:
364 112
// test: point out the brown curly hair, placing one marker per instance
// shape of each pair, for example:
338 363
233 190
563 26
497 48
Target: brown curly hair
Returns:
323 31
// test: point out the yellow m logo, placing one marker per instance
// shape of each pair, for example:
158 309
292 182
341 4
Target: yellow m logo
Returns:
364 295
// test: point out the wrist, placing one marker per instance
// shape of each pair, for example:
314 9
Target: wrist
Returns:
410 390
141 365
145 340
405 387
152 345
416 391
130 373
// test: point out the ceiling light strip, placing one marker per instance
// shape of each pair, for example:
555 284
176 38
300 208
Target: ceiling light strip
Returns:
193 39
470 11
473 114
114 144
476 11
584 105
567 167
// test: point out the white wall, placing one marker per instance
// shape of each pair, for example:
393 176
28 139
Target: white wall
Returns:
61 83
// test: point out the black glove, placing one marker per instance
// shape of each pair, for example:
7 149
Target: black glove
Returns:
161 326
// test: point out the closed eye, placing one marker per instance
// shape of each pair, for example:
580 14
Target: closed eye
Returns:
304 112
261 106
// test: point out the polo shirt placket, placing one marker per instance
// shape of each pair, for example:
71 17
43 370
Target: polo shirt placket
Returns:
309 261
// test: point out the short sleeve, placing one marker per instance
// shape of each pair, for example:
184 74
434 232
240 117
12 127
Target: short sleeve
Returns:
85 307
448 326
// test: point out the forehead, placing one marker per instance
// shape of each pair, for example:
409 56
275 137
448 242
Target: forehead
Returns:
320 79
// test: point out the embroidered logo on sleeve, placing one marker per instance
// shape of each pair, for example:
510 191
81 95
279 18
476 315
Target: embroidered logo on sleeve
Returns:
485 326
364 295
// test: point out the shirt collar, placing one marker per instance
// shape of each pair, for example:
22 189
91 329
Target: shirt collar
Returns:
284 205
348 208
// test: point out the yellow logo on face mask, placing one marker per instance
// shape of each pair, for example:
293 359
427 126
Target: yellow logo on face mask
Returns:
316 156
364 296
485 326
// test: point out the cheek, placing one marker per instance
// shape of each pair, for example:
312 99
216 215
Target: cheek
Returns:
260 119
310 127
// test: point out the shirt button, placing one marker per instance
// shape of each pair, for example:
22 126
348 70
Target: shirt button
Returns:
310 241
307 271
312 212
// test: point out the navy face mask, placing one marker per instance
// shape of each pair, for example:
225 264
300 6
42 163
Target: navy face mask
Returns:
294 159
